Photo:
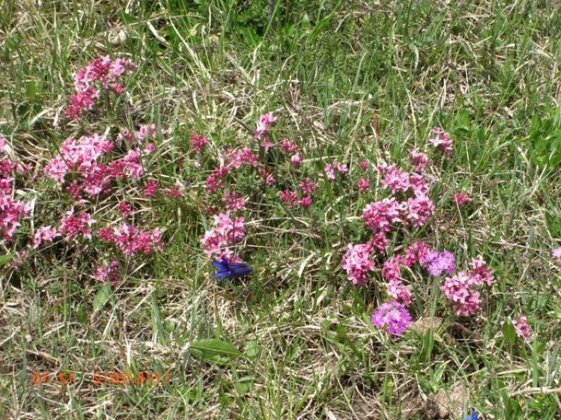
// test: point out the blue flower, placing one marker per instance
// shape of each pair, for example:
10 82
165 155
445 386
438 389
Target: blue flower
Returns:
473 416
227 270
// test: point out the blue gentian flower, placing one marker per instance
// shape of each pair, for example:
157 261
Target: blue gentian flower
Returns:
227 270
473 416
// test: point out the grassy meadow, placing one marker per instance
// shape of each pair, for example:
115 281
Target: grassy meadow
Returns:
347 80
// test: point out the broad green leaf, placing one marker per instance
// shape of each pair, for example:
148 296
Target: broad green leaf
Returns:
509 333
5 259
102 297
216 346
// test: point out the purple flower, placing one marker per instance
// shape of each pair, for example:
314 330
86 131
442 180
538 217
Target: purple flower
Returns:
393 316
437 263
230 270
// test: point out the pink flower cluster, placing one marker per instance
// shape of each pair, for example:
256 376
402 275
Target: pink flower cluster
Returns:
393 316
198 142
237 158
11 211
441 140
82 159
43 235
461 290
226 231
264 124
101 73
357 263
109 273
74 224
332 168
461 198
522 328
289 146
132 241
307 188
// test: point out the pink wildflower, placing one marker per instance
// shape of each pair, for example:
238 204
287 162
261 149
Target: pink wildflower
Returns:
44 234
264 124
480 273
390 270
418 252
381 215
393 316
307 186
74 224
420 210
288 197
150 189
363 184
556 253
233 201
266 144
418 159
125 209
238 158
399 292
214 180
441 140
379 242
109 273
330 169
458 289
289 146
357 263
522 328
364 165
198 142
395 179
461 198
305 202
132 241
295 159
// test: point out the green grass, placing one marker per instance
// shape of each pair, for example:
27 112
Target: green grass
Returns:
352 79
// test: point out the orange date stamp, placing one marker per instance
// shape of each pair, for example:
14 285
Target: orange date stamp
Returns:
102 378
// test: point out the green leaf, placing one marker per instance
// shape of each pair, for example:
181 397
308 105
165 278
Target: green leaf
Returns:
5 259
509 333
214 345
102 297
214 351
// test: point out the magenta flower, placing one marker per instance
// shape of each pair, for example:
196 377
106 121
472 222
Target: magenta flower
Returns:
381 215
307 186
288 197
522 328
44 234
399 292
418 159
198 142
74 224
461 198
357 263
264 124
437 263
420 209
556 253
233 201
295 159
459 290
109 273
442 141
363 184
392 316
150 189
